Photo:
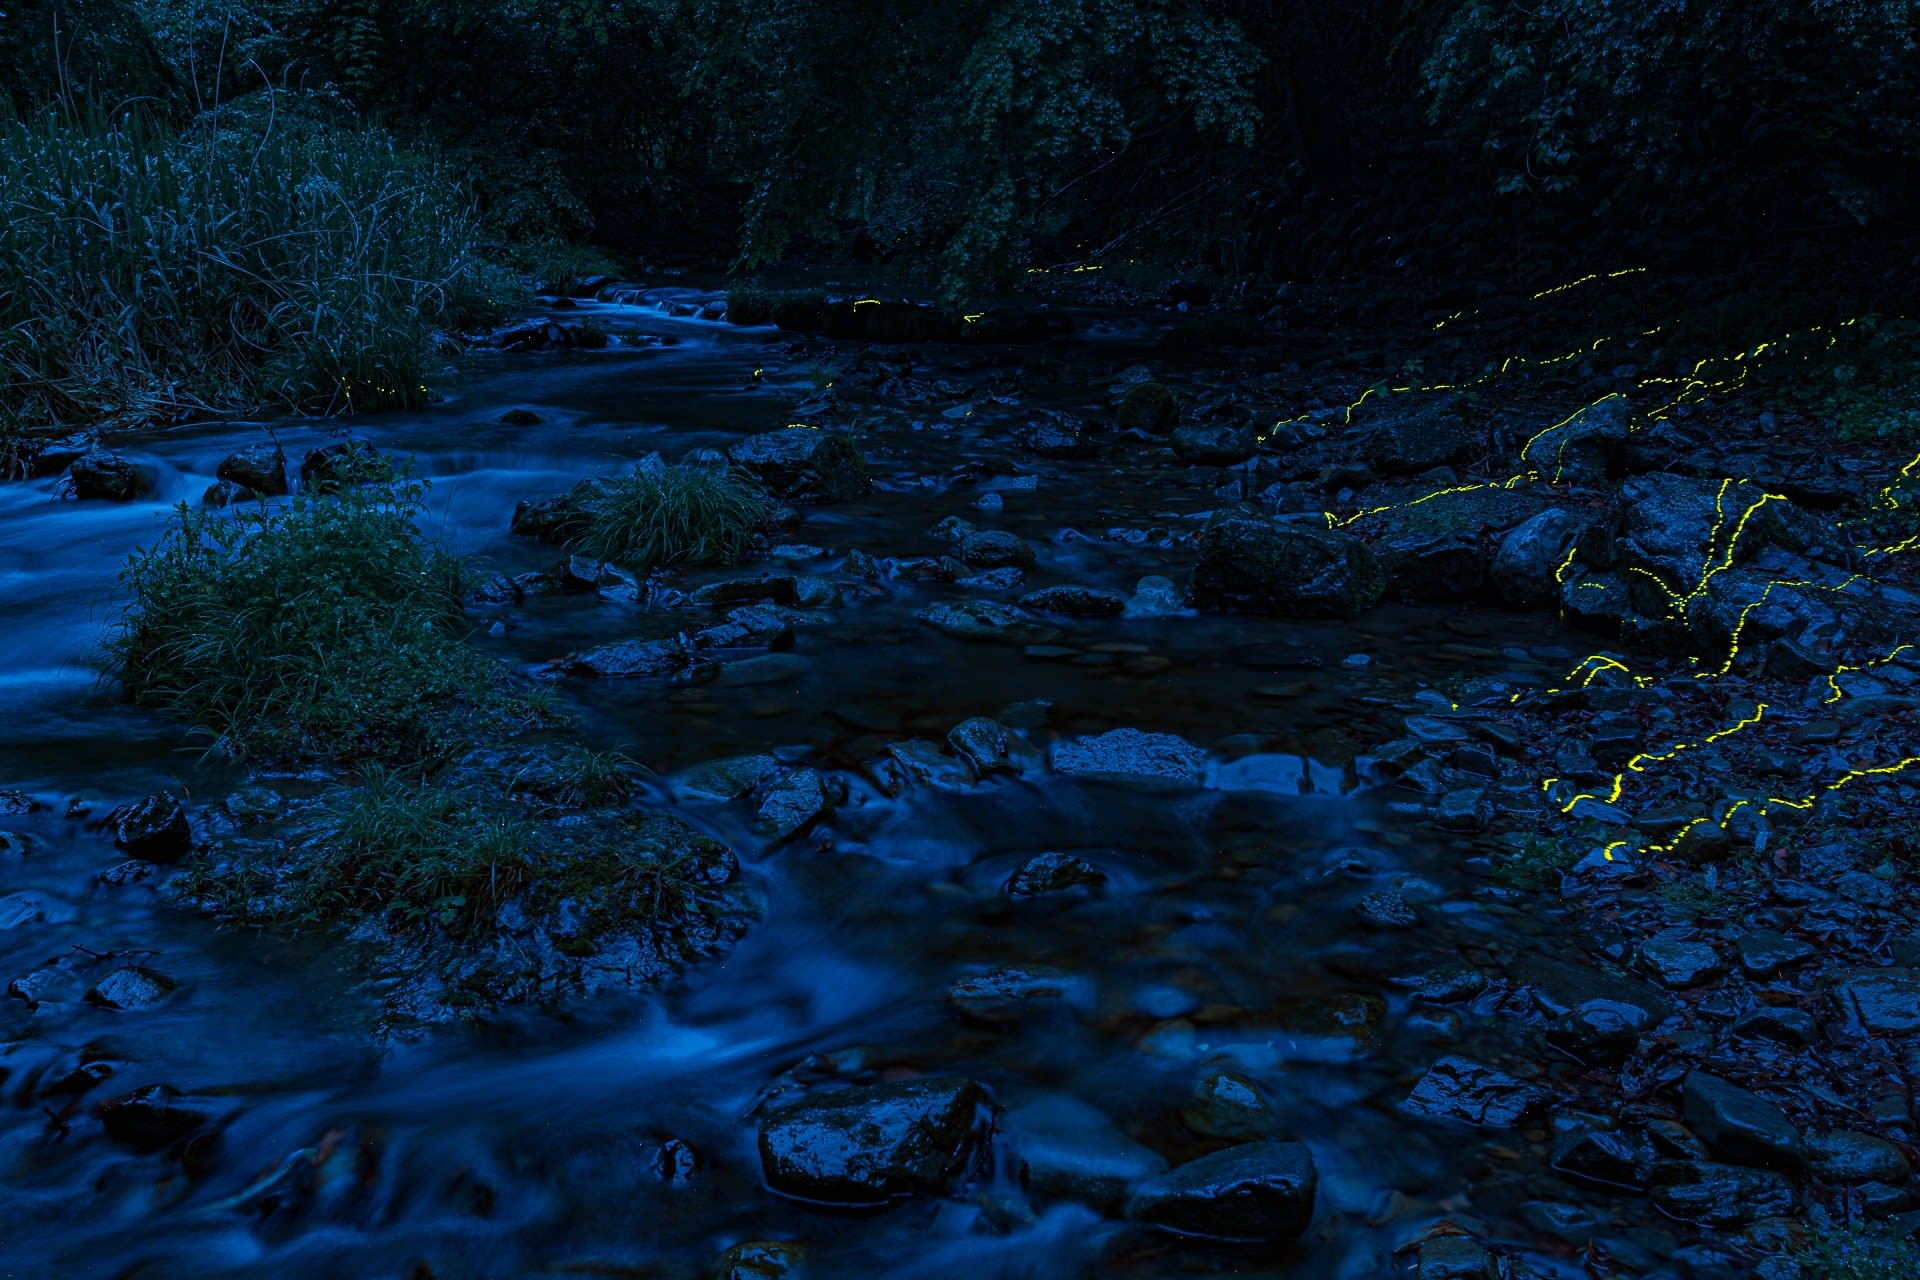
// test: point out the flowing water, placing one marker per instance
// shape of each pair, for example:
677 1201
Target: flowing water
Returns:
534 1145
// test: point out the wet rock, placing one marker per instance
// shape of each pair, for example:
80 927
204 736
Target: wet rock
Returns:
1260 1191
1148 407
726 779
1056 437
1675 962
994 549
1559 987
629 660
261 468
1845 1156
803 465
17 803
1455 1258
51 457
1598 1032
749 627
1720 1195
100 474
1417 438
1067 1150
1795 1027
868 1144
1214 446
1075 602
1468 1092
1225 1104
1445 983
131 987
1524 568
1055 875
1130 755
154 829
154 1117
988 747
519 418
793 804
1386 909
340 463
1013 994
1585 1148
1740 1126
981 620
758 1259
1886 1001
1252 563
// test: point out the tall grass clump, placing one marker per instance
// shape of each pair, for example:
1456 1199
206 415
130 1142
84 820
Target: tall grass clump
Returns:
325 628
662 515
147 272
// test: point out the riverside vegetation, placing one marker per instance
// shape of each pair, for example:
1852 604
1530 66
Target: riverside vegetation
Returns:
1133 722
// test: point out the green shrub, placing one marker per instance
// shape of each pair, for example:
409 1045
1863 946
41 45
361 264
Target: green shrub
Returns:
665 516
328 627
146 273
1857 1253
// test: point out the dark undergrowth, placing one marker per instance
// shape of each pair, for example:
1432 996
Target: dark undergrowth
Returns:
250 261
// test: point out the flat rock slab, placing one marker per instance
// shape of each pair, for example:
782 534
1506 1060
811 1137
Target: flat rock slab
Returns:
1468 1092
868 1144
1128 755
1886 1001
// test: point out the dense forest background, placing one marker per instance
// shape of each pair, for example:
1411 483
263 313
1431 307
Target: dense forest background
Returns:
971 142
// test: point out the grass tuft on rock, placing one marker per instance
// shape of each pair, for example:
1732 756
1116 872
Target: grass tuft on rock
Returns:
415 853
656 516
329 627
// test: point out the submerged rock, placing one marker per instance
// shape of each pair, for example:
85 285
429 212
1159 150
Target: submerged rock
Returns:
1067 1150
868 1144
1075 602
1055 875
1260 1191
800 464
1014 994
1252 563
154 1117
981 620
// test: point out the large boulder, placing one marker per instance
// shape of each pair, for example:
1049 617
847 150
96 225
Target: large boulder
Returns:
868 1144
101 474
1252 563
801 464
1408 438
259 467
1525 568
1584 448
1259 1191
1438 548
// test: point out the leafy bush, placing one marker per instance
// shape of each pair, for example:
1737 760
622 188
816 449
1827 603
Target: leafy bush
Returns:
328 627
662 515
1671 106
145 273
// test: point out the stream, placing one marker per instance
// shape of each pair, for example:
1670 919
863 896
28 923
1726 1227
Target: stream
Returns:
615 1135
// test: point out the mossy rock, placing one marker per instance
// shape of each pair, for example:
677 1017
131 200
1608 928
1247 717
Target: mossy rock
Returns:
1439 547
1148 407
1252 563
